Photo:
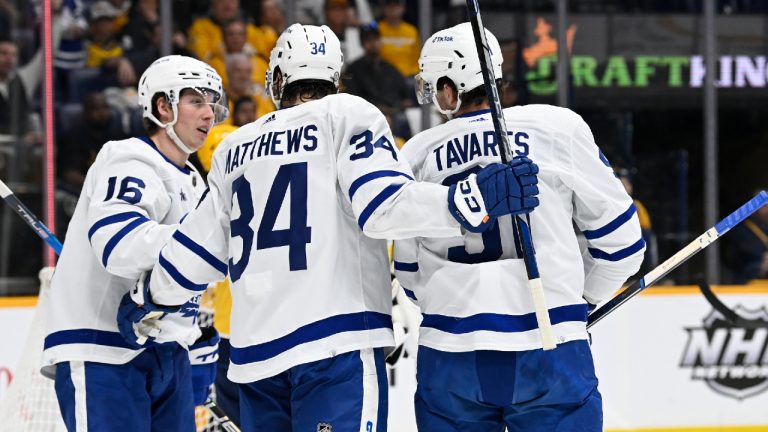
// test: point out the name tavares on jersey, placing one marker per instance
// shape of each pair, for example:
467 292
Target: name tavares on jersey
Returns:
460 150
273 143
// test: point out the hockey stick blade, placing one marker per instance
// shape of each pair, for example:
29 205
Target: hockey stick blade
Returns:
683 255
729 314
7 194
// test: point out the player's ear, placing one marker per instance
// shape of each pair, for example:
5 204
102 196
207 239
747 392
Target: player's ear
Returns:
164 109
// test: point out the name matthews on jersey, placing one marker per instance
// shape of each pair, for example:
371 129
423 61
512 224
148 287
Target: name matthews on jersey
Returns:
273 143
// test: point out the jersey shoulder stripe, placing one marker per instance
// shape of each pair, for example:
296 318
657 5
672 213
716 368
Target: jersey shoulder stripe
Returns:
112 243
365 178
619 254
112 219
376 202
178 277
612 225
200 252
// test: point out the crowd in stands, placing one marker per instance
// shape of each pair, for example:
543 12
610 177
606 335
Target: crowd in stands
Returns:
101 48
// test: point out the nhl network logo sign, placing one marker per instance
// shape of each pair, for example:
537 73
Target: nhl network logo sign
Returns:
731 360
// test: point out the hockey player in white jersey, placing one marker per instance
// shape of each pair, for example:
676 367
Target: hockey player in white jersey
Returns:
480 363
135 194
299 204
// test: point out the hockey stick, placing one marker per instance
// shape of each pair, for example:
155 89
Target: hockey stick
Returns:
680 257
729 314
519 224
29 217
220 417
41 230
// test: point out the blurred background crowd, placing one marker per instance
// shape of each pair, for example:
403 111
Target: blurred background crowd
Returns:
635 77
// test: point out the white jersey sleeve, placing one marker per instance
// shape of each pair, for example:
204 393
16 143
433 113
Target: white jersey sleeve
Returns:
605 214
198 251
386 202
129 197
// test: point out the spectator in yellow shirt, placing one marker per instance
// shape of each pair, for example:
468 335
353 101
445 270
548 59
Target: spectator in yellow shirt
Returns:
206 36
400 44
236 42
103 45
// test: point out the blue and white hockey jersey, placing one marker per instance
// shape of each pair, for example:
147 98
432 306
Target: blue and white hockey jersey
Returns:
132 201
299 204
472 289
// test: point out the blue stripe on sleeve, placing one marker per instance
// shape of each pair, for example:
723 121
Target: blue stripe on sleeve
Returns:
406 266
178 277
619 254
372 176
109 220
201 252
410 293
376 202
85 336
612 225
112 243
359 321
503 323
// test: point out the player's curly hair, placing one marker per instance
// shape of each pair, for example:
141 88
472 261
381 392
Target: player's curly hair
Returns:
307 90
476 96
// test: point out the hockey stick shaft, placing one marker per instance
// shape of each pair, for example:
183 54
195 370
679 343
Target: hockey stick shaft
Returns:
41 230
36 224
519 224
221 417
704 240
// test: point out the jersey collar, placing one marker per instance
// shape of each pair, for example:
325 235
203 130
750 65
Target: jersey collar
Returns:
185 169
475 113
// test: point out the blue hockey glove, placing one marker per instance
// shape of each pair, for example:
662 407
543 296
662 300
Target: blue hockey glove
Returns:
496 190
202 356
138 316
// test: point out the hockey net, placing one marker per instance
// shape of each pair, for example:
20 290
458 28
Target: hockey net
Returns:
30 403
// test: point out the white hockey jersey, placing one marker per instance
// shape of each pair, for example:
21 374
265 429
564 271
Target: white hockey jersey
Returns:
472 289
299 204
132 201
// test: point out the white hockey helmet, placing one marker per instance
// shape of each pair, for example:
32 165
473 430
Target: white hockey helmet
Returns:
452 53
170 75
304 52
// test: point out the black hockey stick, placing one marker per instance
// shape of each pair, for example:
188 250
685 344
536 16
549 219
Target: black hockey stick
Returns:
729 314
680 257
519 224
36 224
220 417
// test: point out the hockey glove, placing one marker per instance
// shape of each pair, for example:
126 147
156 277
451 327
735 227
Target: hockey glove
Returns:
138 316
496 190
202 356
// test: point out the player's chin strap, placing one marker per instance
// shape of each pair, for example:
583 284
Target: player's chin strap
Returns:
172 133
729 314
